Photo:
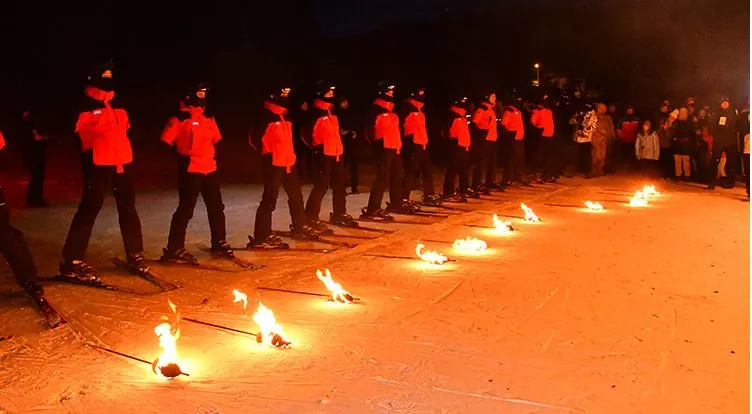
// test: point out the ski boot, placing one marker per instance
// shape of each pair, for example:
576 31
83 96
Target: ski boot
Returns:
80 270
222 248
343 220
404 208
454 198
137 262
178 256
305 232
375 215
431 201
36 292
319 227
496 187
270 242
470 193
482 189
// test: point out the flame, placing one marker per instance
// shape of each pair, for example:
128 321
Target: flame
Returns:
430 256
639 199
470 245
649 191
240 297
338 294
593 205
502 226
167 341
529 215
270 332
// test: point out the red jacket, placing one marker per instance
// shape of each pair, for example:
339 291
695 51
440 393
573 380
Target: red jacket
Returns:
277 138
543 118
194 136
104 130
415 123
512 122
485 120
458 128
386 125
326 130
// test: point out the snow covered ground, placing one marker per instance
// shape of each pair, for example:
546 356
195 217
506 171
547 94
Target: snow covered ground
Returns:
631 310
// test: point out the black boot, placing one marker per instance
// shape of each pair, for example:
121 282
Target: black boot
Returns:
137 262
79 270
271 242
178 256
222 248
343 220
305 232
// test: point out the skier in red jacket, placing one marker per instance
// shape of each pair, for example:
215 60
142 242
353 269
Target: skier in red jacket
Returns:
274 139
486 132
328 149
106 157
416 156
193 134
383 132
458 133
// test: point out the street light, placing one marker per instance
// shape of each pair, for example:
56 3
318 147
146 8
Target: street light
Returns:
537 73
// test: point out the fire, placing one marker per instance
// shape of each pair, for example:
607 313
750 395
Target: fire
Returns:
639 200
240 297
502 226
430 256
470 245
529 215
167 363
649 191
338 294
270 331
593 205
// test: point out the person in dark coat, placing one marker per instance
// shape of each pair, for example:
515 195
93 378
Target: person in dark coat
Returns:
723 127
34 152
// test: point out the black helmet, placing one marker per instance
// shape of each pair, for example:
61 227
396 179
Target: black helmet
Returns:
418 93
199 96
383 87
461 102
101 76
487 96
280 96
323 87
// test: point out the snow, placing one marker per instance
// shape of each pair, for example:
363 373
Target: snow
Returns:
623 311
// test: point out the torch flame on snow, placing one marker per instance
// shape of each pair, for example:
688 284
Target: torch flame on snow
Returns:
430 256
649 191
470 245
502 226
270 332
240 297
167 341
639 199
529 215
338 294
593 205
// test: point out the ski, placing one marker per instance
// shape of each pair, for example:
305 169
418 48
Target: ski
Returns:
451 208
319 240
422 214
198 266
96 283
150 277
5 338
351 236
245 264
289 249
53 317
368 229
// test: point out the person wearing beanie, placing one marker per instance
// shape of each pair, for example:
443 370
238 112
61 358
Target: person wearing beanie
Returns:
383 132
416 157
486 131
542 118
458 133
273 138
326 142
724 130
102 126
193 134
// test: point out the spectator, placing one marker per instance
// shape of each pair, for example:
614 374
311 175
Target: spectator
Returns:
603 133
723 129
666 139
584 123
647 149
626 130
704 149
684 145
663 112
743 128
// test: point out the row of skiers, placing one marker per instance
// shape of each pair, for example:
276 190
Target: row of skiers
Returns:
106 158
